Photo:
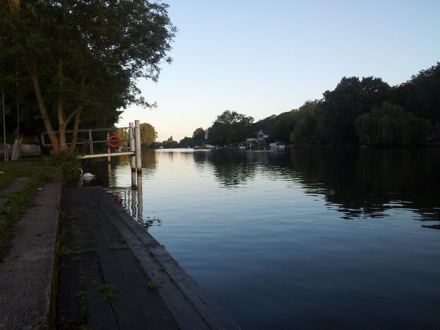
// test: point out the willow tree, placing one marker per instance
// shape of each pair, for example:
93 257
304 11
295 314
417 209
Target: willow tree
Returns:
85 57
389 124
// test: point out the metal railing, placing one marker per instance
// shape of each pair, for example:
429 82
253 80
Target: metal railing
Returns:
128 137
93 136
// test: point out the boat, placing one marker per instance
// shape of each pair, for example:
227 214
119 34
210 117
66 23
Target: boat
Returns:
277 145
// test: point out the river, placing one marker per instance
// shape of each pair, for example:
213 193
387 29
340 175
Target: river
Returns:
298 239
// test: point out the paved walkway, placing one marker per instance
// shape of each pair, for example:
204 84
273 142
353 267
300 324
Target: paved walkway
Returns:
27 272
112 273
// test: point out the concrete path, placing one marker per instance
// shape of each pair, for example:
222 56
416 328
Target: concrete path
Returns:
27 272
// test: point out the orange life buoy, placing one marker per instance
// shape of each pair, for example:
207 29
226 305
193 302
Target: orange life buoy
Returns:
114 141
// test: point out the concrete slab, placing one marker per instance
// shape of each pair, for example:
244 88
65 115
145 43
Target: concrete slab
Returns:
109 249
27 272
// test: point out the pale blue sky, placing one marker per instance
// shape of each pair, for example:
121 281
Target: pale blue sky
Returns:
261 58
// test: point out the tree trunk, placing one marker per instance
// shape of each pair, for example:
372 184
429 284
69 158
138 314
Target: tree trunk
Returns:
34 77
75 128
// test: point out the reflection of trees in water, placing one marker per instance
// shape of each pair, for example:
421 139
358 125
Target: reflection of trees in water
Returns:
363 183
148 159
366 183
232 168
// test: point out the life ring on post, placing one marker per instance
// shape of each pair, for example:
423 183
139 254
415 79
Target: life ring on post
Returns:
114 141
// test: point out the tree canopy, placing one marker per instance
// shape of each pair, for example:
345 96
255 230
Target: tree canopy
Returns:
198 137
389 124
148 134
83 58
230 127
351 98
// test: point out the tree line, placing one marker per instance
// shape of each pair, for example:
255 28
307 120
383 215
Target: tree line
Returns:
73 64
364 111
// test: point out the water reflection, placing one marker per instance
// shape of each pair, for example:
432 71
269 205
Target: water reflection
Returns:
360 184
367 183
235 219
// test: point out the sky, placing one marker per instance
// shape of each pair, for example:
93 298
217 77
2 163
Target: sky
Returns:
260 58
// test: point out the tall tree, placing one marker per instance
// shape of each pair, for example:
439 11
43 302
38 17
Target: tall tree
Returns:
230 127
148 134
306 129
198 137
283 126
351 98
84 57
426 85
389 124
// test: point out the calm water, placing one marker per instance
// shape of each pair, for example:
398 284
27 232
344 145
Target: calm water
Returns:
303 239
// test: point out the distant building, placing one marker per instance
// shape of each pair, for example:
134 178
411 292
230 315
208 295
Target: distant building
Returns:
260 139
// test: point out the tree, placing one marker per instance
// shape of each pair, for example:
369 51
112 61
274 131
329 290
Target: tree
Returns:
170 143
283 126
306 129
230 127
340 108
148 134
83 58
198 137
389 124
426 91
186 142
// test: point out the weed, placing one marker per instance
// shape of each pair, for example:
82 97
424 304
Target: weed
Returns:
64 251
81 298
74 231
106 290
118 234
82 276
153 285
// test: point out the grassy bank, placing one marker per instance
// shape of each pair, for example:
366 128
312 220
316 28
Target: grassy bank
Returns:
38 172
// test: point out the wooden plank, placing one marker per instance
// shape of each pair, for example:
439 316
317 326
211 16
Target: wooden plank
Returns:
113 154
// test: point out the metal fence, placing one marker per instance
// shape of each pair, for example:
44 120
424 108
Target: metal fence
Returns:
24 149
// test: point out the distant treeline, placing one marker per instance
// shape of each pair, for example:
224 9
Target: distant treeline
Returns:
364 111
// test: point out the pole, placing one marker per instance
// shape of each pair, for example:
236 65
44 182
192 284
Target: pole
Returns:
5 147
132 157
137 135
18 109
5 150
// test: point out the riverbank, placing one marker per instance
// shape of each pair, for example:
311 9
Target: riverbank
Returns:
110 273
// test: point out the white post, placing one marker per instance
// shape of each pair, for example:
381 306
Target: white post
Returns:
140 205
132 157
137 135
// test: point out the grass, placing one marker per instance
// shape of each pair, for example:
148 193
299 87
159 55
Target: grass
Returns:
81 298
39 173
106 290
63 251
121 238
153 285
